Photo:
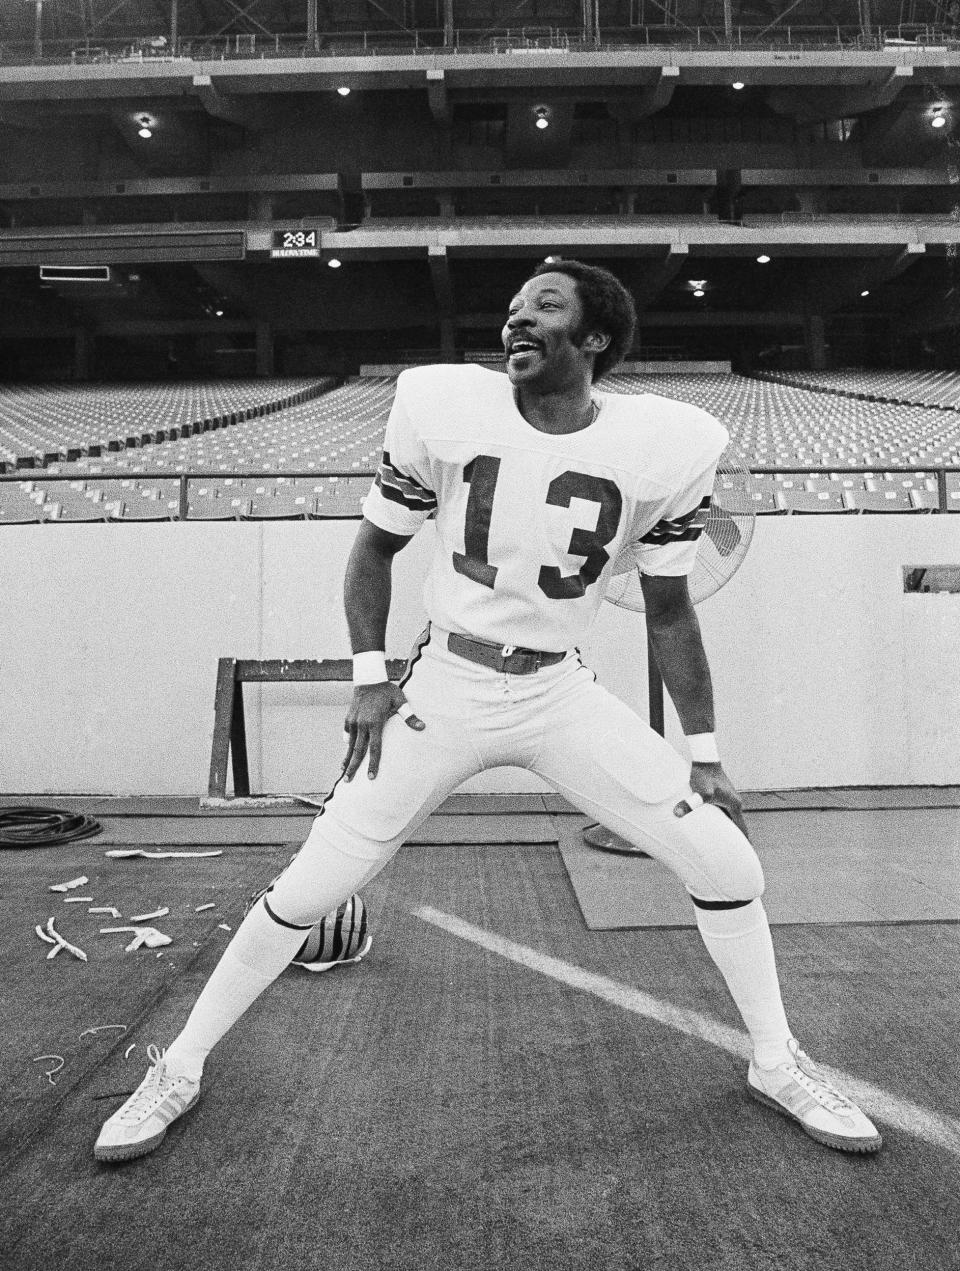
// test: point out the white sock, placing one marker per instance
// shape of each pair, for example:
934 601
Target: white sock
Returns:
319 879
740 944
257 954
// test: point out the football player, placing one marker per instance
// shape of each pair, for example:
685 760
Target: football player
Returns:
542 486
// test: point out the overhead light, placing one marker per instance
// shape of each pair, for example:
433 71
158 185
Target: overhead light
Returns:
864 293
334 263
738 84
219 313
699 293
939 119
146 123
343 90
541 115
550 260
763 260
144 132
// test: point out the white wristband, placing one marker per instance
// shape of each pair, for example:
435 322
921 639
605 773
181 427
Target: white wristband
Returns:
703 747
370 668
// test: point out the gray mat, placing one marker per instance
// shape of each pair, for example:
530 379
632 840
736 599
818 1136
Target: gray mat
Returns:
820 866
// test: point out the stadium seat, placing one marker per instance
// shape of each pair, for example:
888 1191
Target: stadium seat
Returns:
892 500
772 424
799 500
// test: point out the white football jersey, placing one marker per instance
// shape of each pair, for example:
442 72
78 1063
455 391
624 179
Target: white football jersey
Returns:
530 525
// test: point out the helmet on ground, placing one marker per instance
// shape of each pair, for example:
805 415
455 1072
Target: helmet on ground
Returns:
340 937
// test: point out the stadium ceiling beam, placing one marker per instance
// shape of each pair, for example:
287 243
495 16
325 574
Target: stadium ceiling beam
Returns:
829 285
647 100
443 290
372 4
243 14
660 274
437 95
226 281
245 114
809 105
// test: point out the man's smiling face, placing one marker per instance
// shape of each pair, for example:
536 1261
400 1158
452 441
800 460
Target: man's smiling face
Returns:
543 334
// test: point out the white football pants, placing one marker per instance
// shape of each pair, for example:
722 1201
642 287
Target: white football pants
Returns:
557 722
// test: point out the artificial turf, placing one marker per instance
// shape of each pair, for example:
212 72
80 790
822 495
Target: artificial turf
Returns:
440 1107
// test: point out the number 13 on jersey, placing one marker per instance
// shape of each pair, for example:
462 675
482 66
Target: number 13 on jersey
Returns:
482 473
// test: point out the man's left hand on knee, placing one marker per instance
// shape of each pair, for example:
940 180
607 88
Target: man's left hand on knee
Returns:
714 786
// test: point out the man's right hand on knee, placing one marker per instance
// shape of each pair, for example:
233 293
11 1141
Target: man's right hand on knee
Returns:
371 707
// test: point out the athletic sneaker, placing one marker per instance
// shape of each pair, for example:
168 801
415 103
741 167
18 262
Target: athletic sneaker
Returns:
140 1125
801 1091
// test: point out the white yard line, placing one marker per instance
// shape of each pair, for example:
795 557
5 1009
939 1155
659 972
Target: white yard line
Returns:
940 1131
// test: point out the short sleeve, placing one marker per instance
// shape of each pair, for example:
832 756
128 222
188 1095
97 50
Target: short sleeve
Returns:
669 547
401 497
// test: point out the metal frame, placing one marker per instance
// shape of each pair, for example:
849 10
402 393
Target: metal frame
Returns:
229 747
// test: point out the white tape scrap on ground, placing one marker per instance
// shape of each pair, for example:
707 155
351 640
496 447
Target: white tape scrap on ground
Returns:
105 909
101 1028
74 882
63 944
157 913
922 1123
143 937
121 854
200 908
50 1071
77 900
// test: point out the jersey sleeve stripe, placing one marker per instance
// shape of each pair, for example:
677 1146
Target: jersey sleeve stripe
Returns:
685 528
395 485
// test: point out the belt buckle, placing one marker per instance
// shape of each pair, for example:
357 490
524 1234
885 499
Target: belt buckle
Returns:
508 651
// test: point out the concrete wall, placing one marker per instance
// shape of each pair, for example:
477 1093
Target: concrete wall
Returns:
825 672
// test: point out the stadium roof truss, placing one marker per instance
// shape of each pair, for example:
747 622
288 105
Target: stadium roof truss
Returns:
222 75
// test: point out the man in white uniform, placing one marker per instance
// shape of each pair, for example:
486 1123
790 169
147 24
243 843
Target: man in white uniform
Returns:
542 487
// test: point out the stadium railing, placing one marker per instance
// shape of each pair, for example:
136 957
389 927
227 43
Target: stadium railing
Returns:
338 495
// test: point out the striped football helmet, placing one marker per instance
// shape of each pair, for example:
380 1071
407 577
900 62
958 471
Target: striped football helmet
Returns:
341 936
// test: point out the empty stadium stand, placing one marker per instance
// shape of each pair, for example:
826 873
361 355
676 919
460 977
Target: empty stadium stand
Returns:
313 458
44 424
914 388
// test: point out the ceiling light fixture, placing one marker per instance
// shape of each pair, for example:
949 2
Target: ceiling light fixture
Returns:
699 293
864 293
146 127
939 119
763 260
343 90
333 263
738 84
541 115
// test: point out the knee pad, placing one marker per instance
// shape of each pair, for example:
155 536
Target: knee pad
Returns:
333 863
728 867
702 846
